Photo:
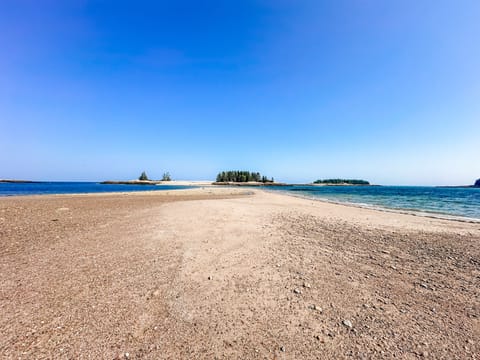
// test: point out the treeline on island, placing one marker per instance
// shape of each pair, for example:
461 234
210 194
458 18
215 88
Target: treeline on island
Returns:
242 176
342 181
144 177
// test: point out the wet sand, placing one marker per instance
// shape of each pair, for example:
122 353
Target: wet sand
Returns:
229 273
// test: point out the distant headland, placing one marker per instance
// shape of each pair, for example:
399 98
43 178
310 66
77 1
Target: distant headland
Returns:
18 181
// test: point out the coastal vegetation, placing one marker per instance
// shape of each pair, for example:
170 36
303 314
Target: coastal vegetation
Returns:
242 177
166 177
143 176
342 182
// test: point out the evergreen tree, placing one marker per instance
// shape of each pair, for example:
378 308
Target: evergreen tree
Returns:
166 177
342 181
143 176
241 176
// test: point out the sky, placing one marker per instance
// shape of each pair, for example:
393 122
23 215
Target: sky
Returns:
387 91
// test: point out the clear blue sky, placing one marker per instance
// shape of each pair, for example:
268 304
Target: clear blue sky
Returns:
388 91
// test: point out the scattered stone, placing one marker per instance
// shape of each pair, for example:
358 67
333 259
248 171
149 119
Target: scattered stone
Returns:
282 348
307 285
297 291
423 285
347 323
209 278
126 355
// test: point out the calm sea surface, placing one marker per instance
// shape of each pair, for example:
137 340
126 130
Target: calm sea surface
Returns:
10 189
464 202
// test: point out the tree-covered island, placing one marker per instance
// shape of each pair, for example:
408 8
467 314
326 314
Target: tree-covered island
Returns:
237 176
341 182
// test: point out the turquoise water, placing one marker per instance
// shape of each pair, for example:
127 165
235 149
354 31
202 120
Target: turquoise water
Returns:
11 189
463 202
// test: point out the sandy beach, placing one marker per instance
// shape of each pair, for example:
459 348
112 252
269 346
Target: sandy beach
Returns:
231 273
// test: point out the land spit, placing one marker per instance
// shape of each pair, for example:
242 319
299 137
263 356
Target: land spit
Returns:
229 273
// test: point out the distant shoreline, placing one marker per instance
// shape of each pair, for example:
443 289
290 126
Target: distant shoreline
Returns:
131 182
19 181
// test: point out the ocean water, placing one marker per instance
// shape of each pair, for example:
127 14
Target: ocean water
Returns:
11 189
457 202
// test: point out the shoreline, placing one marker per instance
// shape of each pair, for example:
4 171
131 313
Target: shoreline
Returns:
413 212
205 184
232 273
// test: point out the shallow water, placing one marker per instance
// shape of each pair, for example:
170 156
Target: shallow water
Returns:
464 202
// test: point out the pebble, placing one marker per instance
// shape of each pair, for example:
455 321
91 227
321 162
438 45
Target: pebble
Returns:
209 278
282 348
347 323
297 291
307 285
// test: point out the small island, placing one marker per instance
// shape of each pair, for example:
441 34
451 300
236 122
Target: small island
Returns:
341 182
142 180
477 184
246 178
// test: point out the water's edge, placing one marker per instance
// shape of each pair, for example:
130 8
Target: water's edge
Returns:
427 214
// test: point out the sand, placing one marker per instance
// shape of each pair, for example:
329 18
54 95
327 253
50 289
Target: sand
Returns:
229 273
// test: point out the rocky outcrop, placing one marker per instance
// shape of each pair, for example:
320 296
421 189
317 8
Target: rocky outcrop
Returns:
477 183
